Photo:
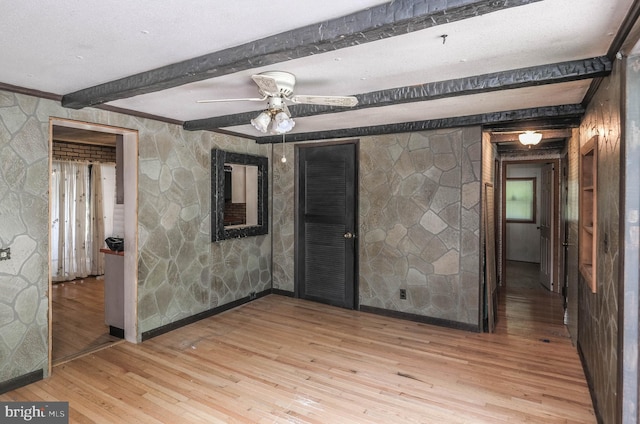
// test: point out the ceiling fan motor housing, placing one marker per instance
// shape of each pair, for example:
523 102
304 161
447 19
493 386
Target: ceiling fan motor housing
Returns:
285 81
275 103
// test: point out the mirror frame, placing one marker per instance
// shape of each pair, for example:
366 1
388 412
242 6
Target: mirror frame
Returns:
218 159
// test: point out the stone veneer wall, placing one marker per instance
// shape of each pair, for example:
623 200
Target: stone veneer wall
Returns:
24 227
419 222
180 272
598 312
283 218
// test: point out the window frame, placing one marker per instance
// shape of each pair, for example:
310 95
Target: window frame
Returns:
534 206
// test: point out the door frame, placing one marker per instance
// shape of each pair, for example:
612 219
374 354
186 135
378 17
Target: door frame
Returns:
356 224
555 212
553 227
130 174
564 233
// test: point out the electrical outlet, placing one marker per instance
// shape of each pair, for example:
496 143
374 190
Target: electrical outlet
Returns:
403 294
5 254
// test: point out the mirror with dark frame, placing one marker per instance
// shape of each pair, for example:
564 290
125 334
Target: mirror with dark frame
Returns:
239 193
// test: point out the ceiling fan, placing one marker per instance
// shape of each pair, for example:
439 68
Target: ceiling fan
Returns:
276 87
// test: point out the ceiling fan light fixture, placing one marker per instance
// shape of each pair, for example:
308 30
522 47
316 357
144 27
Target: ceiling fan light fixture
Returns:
282 123
276 87
530 138
262 121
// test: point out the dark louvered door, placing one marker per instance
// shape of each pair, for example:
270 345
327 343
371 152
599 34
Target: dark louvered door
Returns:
326 236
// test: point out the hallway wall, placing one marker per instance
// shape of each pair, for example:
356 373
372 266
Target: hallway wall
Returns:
630 239
598 312
573 281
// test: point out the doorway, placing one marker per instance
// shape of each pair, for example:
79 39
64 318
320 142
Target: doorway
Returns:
531 234
326 222
81 301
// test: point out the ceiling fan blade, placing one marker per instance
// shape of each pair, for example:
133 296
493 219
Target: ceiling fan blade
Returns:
266 84
255 99
345 101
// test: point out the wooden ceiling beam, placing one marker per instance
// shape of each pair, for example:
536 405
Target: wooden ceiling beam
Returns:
569 114
506 80
512 136
383 21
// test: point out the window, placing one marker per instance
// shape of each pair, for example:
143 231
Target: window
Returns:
520 199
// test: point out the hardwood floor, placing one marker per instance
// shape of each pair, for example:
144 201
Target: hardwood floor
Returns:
529 308
78 319
283 360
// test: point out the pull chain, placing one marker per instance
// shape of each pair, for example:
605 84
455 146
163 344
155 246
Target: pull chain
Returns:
284 158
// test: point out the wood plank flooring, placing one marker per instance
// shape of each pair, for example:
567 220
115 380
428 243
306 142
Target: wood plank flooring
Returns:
78 319
283 360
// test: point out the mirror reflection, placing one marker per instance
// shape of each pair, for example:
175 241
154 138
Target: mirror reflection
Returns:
238 195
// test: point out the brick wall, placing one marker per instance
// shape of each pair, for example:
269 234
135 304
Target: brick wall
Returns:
235 213
89 152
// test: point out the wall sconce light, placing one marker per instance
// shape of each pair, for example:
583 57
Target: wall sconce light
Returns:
530 138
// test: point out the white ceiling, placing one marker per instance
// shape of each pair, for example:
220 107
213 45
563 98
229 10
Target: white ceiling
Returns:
72 45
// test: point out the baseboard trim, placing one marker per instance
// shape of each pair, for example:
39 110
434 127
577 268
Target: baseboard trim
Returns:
421 318
587 375
281 292
23 380
116 332
202 315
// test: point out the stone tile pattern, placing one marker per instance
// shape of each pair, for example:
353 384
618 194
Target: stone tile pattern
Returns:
283 217
598 312
24 211
419 223
180 272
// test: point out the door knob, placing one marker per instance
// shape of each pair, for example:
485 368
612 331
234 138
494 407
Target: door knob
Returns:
349 235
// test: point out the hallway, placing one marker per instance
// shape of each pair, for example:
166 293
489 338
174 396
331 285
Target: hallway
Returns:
527 308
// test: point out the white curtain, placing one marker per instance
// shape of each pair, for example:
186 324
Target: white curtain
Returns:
103 196
82 198
70 215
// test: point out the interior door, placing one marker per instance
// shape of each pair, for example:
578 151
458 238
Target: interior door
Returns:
546 227
326 222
